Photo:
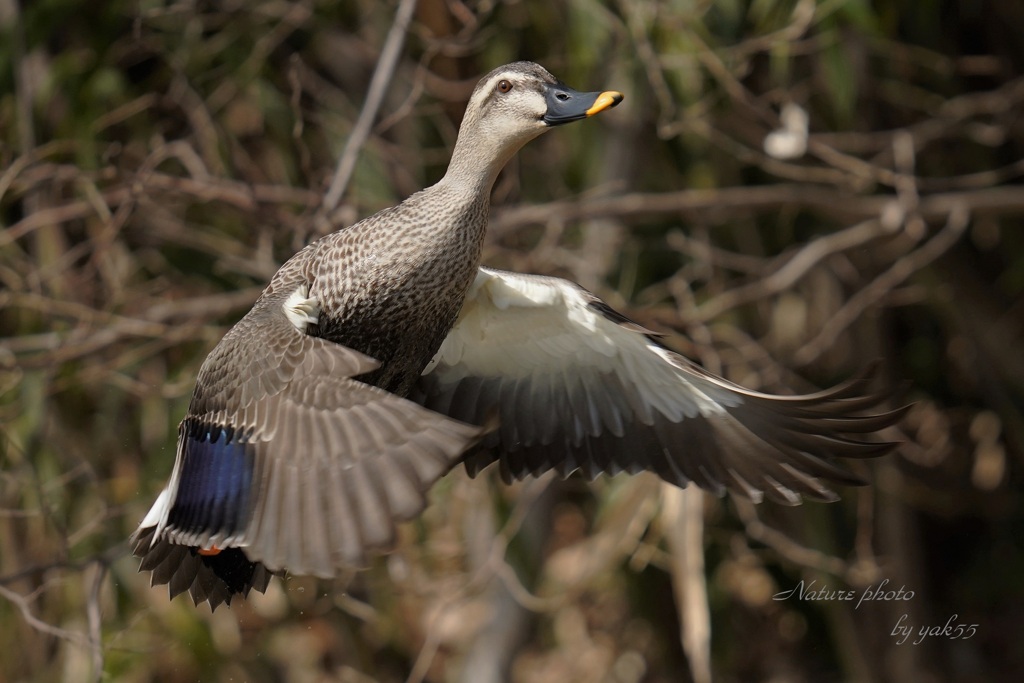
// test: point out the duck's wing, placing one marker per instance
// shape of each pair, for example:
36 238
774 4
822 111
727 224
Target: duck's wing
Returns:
578 386
284 462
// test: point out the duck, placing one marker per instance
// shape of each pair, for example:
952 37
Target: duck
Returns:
383 355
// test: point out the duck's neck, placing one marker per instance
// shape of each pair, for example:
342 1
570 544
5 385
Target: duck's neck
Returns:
476 162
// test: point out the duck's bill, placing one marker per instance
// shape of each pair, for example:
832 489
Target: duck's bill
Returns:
566 104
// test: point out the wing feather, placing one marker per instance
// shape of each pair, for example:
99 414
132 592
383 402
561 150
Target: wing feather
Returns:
284 457
577 385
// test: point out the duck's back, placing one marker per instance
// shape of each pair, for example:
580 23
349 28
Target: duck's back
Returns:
391 286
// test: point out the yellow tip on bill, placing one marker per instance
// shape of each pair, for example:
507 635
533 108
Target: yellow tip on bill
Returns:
605 100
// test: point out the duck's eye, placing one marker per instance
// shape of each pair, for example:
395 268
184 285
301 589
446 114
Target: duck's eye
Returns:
504 86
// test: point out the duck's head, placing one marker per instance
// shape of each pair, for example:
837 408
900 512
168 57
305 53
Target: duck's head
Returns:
525 97
514 104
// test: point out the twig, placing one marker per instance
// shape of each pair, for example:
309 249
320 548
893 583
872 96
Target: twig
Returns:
785 546
240 195
21 602
725 203
639 27
683 515
94 616
378 87
887 281
802 262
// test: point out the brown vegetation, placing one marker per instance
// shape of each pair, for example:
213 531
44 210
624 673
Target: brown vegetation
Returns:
159 160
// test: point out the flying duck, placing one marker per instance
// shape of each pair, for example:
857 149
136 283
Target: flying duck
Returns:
382 355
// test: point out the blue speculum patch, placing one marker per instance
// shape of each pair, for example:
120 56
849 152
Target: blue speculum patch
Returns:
216 476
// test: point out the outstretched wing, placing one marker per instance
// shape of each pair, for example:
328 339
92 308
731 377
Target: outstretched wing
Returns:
286 459
577 386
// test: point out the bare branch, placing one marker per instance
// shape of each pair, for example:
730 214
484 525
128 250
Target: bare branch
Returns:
884 283
374 97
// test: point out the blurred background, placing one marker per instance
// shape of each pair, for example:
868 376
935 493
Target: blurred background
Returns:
792 190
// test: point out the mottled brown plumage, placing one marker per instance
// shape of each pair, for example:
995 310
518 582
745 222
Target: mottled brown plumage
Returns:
380 356
298 451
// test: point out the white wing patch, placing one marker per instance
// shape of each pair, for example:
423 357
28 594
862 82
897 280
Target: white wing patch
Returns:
577 386
514 326
157 515
301 309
